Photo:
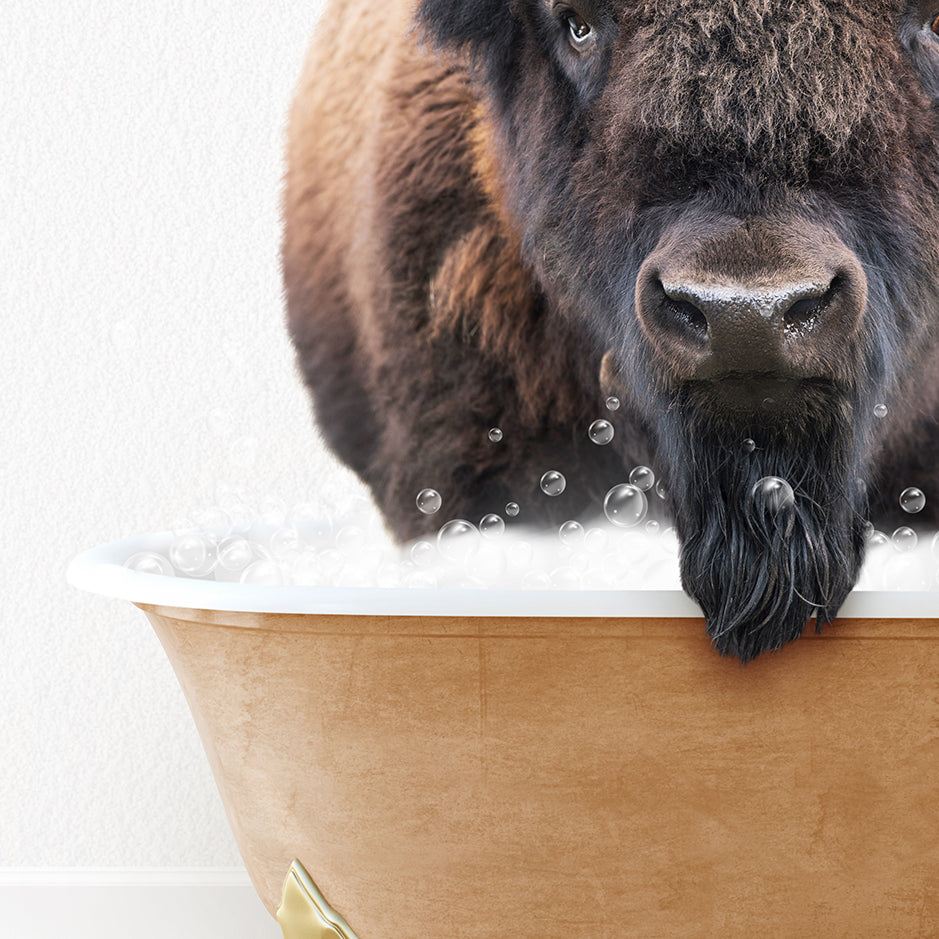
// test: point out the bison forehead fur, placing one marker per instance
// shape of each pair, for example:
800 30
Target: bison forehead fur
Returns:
724 211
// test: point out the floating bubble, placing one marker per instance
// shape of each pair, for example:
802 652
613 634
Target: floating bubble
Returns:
429 501
600 432
215 522
150 562
536 580
904 539
642 478
457 540
349 537
773 494
625 505
495 434
285 542
191 553
596 540
660 490
511 509
612 403
652 526
912 500
263 572
235 554
423 553
553 483
571 533
566 578
880 410
491 525
305 568
876 538
748 446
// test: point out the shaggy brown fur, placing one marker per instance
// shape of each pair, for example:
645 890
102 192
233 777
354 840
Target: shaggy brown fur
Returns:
471 197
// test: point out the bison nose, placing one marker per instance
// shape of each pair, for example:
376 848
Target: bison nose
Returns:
790 317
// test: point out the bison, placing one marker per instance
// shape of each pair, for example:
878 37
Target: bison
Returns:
724 212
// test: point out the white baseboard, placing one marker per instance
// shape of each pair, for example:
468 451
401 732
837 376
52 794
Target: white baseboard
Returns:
146 903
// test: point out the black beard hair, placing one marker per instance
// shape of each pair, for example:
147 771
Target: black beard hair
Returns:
759 575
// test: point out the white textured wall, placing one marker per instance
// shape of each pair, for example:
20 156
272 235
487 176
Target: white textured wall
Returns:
142 341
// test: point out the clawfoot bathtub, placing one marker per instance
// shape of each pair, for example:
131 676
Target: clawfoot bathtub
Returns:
406 764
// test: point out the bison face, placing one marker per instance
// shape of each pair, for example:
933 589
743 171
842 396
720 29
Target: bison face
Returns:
737 202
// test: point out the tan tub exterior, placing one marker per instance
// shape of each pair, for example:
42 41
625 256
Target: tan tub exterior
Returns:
449 777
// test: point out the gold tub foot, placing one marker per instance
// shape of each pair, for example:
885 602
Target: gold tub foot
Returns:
304 913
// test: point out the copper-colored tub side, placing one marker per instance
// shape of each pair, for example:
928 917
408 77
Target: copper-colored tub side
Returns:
539 778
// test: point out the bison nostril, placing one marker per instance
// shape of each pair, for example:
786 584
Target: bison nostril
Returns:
806 310
689 315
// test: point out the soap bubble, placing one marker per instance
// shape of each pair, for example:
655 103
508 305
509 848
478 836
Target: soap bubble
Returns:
652 526
429 501
748 446
876 538
625 505
420 580
487 564
285 542
495 434
912 500
600 432
660 490
880 410
191 553
772 494
150 562
596 540
642 478
349 538
305 569
423 553
519 555
491 525
571 533
263 572
553 483
235 554
272 510
612 403
904 539
511 509
457 539
566 578
536 580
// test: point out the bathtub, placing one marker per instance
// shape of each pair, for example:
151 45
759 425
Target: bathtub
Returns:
443 764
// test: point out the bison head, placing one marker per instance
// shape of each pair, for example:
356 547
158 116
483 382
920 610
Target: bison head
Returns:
737 201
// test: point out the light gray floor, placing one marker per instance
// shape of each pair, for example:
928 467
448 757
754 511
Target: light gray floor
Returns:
143 912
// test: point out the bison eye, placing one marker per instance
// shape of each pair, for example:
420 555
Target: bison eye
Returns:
934 26
580 30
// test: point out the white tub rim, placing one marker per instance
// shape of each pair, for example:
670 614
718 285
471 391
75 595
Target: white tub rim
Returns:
101 570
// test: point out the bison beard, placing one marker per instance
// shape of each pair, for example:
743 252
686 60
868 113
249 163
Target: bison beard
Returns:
759 575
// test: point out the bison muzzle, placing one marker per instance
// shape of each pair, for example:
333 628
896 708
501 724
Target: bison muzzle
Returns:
725 212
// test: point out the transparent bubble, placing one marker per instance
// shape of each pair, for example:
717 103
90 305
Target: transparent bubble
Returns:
272 510
748 446
330 564
213 521
349 538
934 547
571 533
491 525
669 540
488 564
420 580
457 540
652 526
305 568
600 432
553 483
511 509
235 554
880 410
660 490
191 553
876 538
429 501
912 500
519 555
566 578
772 494
263 572
285 542
242 517
612 403
495 434
625 505
150 562
642 478
536 580
596 540
423 553
769 403
904 539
